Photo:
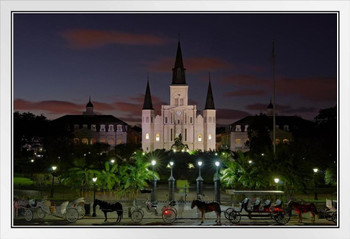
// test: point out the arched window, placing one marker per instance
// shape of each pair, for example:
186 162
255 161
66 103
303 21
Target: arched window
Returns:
285 141
199 137
157 137
147 135
93 141
102 140
76 140
111 141
209 136
85 141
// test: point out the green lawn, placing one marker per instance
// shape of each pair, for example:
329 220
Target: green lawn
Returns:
21 181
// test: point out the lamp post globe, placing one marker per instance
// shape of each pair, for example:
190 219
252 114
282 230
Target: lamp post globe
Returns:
315 191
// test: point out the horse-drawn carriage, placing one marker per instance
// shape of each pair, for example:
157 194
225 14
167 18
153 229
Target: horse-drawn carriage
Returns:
330 212
168 211
71 211
258 208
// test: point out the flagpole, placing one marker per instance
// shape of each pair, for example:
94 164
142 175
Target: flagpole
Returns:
274 99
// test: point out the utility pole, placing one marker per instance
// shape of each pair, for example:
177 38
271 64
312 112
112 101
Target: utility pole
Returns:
273 58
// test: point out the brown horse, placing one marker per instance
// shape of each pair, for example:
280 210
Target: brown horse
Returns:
303 208
208 207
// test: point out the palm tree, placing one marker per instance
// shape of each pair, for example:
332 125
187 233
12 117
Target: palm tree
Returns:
79 177
134 176
108 178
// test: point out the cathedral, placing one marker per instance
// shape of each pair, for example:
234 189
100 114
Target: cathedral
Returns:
178 120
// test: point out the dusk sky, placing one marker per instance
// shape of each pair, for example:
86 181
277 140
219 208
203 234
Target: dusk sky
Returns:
62 59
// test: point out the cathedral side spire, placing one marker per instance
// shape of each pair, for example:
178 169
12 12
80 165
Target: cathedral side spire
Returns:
209 104
147 104
179 70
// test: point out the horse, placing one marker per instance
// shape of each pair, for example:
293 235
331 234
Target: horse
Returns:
208 207
107 207
303 208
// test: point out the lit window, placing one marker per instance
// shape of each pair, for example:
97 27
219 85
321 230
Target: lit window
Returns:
76 140
238 141
102 140
147 136
93 127
246 128
157 137
209 136
277 141
285 141
93 141
85 141
111 141
199 138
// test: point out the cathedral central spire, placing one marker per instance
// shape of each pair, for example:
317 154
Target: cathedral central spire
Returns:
147 104
179 70
209 104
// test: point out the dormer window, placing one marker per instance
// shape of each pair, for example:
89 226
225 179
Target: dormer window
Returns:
119 128
76 126
238 128
286 127
110 128
85 126
246 128
93 127
102 128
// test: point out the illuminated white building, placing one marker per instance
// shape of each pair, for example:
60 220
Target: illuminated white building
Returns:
197 130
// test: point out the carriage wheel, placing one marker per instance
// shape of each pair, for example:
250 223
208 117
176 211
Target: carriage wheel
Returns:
41 213
283 217
234 217
334 217
28 215
81 211
137 215
169 215
227 212
72 215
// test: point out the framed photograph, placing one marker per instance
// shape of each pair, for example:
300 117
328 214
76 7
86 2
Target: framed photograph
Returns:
173 119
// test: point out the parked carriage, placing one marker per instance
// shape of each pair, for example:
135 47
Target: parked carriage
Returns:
258 209
69 211
168 211
330 211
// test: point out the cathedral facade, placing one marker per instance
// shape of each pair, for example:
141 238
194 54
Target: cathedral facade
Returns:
178 120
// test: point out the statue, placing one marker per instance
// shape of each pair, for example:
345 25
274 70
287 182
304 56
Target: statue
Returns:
178 145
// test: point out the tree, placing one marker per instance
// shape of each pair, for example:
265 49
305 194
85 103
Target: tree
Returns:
134 176
258 134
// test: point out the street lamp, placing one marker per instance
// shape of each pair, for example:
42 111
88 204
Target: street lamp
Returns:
199 179
250 161
53 178
154 192
94 179
112 161
217 182
276 181
315 191
171 183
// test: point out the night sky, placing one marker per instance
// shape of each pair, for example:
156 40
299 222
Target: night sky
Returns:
62 59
